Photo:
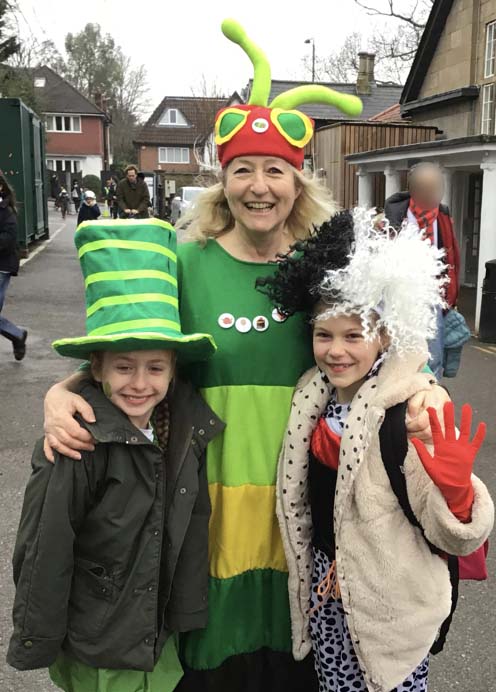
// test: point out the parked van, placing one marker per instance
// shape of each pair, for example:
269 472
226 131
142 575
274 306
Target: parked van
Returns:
184 199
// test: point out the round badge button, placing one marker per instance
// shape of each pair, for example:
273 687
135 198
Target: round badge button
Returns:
260 125
226 320
278 316
260 323
243 325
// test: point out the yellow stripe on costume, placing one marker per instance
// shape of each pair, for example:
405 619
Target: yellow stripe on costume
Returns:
244 533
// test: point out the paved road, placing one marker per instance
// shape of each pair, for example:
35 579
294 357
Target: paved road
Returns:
47 298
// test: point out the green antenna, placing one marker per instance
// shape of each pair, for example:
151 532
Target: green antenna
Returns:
261 77
316 93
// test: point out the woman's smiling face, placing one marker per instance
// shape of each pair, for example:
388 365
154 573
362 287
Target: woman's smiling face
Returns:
261 192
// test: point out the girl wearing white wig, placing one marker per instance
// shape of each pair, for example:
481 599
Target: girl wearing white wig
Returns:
367 517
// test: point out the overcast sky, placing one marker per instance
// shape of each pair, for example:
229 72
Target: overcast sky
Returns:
180 40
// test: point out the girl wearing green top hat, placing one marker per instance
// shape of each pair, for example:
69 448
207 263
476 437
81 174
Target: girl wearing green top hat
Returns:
261 204
111 554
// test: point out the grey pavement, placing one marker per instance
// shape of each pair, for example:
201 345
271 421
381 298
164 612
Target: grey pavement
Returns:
47 298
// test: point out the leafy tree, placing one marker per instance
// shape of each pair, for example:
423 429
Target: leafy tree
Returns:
9 45
14 82
91 62
93 182
96 65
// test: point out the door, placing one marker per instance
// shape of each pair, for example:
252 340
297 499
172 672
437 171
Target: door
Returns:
472 228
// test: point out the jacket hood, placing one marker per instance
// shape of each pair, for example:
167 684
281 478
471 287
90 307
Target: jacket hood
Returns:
112 424
398 198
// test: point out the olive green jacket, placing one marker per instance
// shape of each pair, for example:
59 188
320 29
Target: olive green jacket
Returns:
134 196
112 551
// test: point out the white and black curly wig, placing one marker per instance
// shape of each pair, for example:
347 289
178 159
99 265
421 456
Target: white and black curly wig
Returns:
393 281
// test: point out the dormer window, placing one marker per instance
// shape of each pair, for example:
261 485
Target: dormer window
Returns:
173 117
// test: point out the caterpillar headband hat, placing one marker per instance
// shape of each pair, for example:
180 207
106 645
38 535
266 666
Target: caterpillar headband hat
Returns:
259 129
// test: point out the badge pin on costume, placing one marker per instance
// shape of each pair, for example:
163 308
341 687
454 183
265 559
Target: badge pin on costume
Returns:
226 320
243 325
278 316
260 323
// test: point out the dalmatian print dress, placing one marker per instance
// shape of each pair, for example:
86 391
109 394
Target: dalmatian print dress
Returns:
336 663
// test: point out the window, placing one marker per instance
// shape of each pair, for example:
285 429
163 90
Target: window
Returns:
489 63
173 118
39 82
487 127
63 123
69 165
173 155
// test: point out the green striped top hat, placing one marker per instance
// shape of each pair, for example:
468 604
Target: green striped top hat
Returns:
130 278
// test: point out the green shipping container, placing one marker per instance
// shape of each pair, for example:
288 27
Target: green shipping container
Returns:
22 161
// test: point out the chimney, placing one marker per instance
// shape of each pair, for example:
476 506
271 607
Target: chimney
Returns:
370 67
363 87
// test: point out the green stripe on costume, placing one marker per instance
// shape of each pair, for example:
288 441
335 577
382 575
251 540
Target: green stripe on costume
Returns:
126 245
134 324
253 439
130 226
131 298
130 275
232 627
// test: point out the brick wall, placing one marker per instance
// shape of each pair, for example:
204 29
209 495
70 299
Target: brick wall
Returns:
88 141
148 161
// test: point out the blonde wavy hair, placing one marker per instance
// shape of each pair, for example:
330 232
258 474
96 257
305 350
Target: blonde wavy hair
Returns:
211 217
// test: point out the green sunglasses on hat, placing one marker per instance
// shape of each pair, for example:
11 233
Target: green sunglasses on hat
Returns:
130 278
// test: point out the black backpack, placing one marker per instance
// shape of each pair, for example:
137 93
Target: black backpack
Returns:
394 446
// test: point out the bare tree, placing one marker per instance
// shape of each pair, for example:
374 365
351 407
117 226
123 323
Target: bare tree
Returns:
208 94
129 100
394 41
410 18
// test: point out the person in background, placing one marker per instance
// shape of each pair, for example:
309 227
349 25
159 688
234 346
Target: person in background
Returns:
89 210
64 201
9 265
132 196
421 206
76 195
110 191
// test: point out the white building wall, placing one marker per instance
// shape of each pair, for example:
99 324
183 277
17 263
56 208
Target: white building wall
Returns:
92 165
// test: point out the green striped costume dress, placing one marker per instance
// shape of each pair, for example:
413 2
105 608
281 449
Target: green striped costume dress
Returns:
249 384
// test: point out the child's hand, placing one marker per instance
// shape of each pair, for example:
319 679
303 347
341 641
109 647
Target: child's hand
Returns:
417 419
451 466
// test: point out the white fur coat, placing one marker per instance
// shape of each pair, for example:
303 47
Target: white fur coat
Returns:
396 593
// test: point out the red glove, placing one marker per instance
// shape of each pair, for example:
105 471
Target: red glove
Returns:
451 466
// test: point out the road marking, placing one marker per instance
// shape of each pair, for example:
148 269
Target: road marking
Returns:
42 246
491 351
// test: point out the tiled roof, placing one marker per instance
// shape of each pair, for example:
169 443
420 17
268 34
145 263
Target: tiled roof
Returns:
58 96
199 112
383 96
390 115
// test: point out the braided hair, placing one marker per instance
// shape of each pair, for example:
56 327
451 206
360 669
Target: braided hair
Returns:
295 285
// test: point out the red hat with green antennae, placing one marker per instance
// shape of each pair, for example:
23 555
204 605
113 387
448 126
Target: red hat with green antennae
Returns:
275 129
